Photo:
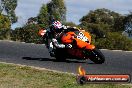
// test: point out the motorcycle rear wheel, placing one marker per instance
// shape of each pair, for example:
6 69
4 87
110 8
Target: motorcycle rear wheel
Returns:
59 55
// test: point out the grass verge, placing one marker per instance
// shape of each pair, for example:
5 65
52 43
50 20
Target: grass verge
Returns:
13 76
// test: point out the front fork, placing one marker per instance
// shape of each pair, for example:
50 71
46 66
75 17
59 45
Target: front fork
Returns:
88 51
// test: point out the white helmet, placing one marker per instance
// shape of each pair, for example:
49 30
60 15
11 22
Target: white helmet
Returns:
57 25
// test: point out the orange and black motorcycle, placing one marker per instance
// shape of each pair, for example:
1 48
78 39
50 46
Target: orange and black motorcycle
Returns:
81 47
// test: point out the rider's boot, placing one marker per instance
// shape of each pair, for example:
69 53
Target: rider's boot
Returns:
52 53
51 50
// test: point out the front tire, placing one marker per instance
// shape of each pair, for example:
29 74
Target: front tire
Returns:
96 56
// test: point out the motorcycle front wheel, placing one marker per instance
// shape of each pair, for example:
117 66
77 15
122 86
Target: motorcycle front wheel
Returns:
96 56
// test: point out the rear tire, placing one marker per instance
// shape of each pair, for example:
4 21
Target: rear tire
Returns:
59 55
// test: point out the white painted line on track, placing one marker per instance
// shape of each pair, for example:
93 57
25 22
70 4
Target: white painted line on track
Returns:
116 50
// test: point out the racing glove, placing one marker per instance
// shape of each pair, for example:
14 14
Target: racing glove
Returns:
55 42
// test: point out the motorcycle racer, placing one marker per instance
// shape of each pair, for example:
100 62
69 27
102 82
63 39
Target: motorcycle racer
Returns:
73 42
56 31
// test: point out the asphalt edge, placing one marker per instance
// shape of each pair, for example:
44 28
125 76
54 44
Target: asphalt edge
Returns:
38 68
44 44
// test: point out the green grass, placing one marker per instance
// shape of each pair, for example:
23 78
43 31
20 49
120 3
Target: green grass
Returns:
13 76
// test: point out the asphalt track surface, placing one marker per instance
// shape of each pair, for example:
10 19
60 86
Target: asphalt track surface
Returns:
117 62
